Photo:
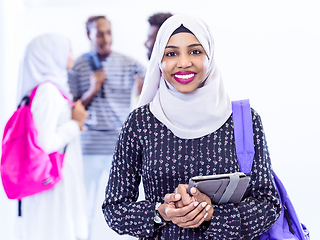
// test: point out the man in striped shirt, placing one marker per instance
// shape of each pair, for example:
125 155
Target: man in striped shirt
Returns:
103 80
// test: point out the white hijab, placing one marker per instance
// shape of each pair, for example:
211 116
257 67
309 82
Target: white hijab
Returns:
187 115
45 59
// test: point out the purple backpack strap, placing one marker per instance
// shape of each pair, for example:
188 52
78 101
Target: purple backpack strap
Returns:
288 225
243 134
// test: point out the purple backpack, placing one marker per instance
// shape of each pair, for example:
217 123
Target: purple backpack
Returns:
26 169
288 226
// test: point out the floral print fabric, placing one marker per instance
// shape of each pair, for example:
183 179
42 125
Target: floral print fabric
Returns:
147 148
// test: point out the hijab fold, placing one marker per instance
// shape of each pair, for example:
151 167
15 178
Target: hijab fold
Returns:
45 59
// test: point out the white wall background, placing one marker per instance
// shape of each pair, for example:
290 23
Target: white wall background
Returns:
267 51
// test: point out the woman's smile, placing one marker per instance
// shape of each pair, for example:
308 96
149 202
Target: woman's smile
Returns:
184 77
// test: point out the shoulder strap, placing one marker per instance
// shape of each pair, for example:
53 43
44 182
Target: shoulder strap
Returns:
33 93
95 64
243 134
93 60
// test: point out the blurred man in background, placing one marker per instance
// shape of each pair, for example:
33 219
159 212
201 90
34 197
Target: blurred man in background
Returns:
155 21
103 80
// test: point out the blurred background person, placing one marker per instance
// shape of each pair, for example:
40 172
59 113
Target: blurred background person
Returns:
58 213
155 21
103 80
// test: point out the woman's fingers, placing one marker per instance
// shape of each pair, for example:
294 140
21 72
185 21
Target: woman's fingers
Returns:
185 197
175 213
201 197
172 197
193 212
196 217
199 211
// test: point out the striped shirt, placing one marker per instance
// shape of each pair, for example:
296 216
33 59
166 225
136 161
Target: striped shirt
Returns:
105 114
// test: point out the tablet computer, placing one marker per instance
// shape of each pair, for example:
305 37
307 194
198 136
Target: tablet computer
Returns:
221 188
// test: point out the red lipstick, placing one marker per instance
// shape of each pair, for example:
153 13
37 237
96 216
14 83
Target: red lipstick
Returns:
184 77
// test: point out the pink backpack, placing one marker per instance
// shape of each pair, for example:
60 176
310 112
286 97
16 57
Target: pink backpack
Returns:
26 169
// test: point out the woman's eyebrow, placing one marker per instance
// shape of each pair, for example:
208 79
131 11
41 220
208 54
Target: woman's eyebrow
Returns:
171 46
195 45
191 45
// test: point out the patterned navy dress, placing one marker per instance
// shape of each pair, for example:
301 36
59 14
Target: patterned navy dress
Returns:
147 148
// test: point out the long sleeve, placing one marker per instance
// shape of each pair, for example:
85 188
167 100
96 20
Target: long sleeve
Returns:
48 107
123 214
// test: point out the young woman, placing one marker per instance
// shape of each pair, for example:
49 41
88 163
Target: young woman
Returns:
58 213
184 128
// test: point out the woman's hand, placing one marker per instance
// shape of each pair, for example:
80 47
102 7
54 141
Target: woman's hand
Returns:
197 196
186 199
192 214
203 198
79 113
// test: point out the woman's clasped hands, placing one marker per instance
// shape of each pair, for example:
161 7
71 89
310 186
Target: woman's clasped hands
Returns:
184 210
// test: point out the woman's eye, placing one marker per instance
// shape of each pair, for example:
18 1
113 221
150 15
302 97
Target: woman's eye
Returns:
195 52
171 54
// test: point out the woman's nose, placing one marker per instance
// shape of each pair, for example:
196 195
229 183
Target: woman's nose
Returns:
184 61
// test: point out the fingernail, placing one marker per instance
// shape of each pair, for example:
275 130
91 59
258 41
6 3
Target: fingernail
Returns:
193 190
177 196
208 207
166 211
205 216
169 195
204 204
196 204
